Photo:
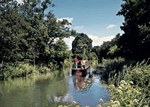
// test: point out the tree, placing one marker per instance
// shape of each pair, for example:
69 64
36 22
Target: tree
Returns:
30 32
82 44
136 28
12 41
108 49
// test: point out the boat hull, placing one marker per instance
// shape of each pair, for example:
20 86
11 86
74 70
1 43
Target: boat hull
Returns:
80 71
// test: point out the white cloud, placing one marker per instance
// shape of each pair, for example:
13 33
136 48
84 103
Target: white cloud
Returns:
110 26
104 39
69 20
78 27
61 19
69 42
99 41
96 40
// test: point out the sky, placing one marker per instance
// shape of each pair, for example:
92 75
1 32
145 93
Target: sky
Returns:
95 18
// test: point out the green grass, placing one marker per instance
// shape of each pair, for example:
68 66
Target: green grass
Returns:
129 83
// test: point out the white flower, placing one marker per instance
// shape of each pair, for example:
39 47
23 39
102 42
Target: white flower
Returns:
136 101
119 87
99 105
119 91
74 102
145 106
111 100
123 82
117 102
131 82
122 85
101 100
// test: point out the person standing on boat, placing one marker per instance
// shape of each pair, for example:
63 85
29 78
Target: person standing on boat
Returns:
83 63
75 62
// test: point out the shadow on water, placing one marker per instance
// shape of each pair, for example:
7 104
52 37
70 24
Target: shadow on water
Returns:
52 90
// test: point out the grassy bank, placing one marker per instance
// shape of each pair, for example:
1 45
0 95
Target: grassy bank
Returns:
21 69
129 83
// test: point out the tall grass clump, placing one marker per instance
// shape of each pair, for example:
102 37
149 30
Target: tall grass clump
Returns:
131 79
67 62
22 69
127 95
112 67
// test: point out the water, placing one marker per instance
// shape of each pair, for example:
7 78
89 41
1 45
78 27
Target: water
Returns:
41 92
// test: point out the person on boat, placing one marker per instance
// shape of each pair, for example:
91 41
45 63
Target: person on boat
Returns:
75 62
83 63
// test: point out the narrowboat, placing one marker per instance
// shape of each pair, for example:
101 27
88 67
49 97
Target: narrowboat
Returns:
81 70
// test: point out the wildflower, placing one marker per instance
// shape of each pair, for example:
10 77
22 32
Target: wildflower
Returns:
101 100
122 85
99 105
123 82
145 106
119 91
128 106
112 86
117 102
131 82
111 100
74 102
136 101
119 87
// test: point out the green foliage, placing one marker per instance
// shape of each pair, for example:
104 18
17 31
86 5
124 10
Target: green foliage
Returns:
126 95
92 56
113 66
44 69
28 36
17 70
96 49
112 50
136 29
82 44
108 49
119 70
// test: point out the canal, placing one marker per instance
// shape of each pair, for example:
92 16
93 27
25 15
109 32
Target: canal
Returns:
54 90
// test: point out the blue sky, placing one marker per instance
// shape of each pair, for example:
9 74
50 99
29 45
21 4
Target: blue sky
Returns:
96 18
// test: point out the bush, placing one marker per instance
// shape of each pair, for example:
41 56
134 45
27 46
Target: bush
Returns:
126 95
21 69
132 80
44 69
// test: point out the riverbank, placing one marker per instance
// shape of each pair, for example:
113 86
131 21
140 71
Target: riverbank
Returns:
22 69
128 81
52 89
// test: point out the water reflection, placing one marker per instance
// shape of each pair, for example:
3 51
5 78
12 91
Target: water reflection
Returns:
52 90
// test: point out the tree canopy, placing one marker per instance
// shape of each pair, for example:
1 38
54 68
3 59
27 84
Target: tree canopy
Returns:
82 45
136 28
27 32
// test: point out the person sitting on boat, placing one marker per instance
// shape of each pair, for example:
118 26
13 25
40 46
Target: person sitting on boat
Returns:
75 62
83 63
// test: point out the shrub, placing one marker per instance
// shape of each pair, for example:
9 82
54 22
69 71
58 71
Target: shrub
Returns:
126 95
131 80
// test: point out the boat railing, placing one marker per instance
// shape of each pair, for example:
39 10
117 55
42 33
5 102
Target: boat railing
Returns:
86 63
